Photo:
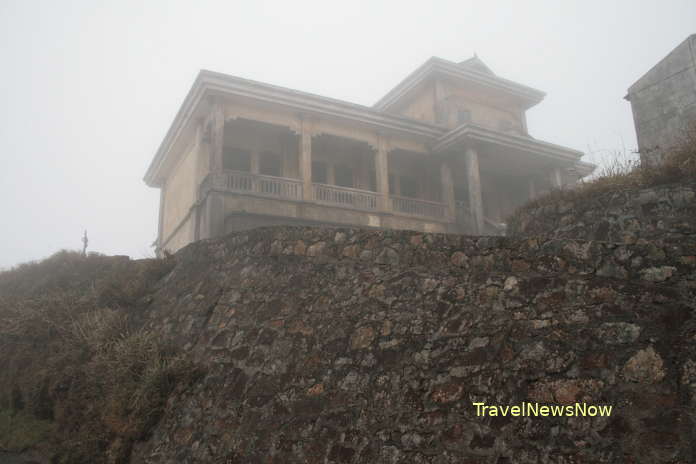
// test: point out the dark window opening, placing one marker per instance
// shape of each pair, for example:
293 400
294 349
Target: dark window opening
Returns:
344 175
409 187
392 184
270 164
461 193
236 159
319 172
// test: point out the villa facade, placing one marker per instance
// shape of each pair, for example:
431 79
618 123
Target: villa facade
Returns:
446 150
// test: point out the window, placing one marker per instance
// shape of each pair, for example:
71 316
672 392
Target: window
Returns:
392 184
270 164
344 175
409 186
236 159
319 172
463 116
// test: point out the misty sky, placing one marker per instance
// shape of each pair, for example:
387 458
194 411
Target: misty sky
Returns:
88 89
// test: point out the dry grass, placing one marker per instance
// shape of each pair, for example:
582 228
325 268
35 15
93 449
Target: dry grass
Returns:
77 359
623 173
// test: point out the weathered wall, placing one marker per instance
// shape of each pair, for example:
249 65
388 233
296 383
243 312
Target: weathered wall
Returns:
657 213
487 109
664 101
179 196
340 346
420 106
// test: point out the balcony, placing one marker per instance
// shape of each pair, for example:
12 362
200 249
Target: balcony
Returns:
256 184
283 188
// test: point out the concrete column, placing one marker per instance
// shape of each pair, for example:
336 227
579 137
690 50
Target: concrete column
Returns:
447 190
439 100
556 178
473 177
212 222
160 224
382 175
305 159
217 136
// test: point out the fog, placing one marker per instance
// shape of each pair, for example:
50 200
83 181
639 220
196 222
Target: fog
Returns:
89 89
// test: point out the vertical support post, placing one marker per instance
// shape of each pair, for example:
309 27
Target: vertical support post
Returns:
212 208
217 136
160 223
213 216
473 175
306 160
382 174
439 103
447 190
556 178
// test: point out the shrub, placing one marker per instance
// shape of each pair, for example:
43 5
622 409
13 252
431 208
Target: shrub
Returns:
78 366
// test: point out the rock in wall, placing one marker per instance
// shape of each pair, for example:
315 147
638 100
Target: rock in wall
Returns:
344 346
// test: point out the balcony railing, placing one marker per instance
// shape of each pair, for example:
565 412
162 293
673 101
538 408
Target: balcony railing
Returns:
285 188
416 207
245 182
345 196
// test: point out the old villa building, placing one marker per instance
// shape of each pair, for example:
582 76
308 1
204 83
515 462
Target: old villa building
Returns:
446 150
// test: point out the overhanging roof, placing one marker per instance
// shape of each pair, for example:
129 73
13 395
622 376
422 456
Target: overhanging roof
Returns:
471 132
213 83
438 66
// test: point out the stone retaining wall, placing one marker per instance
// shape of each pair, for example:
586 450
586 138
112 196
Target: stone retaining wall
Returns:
658 213
344 346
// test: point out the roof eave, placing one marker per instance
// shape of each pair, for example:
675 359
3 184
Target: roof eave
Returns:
467 132
190 103
212 82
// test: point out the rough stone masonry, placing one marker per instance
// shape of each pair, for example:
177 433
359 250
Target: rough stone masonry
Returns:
345 346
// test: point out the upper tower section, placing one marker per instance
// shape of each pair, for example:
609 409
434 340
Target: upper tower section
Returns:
451 94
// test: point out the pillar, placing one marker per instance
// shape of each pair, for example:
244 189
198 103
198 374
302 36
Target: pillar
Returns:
217 136
306 160
447 190
160 223
212 222
439 97
382 174
473 177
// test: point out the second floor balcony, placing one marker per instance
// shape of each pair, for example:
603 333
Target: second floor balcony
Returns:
289 189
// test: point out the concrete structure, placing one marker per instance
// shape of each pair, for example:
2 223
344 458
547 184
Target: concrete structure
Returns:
446 150
664 102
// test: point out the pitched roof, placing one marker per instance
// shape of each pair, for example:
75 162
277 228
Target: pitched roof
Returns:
476 64
472 70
